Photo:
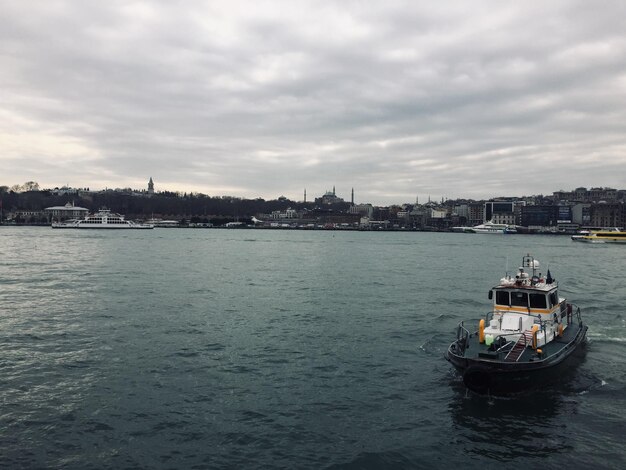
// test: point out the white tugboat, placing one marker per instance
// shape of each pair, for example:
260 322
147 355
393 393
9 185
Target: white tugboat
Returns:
103 219
524 340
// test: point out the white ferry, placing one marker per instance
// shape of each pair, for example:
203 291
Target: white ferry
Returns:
528 336
490 227
103 219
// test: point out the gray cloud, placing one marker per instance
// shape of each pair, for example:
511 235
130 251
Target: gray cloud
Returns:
472 99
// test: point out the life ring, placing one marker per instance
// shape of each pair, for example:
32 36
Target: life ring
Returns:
535 330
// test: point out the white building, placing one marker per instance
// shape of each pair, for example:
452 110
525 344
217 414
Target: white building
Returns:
287 214
366 210
68 211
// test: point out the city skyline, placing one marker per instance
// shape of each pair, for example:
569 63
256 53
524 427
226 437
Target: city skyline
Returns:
331 196
399 101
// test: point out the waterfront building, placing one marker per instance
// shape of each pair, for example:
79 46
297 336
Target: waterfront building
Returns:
288 213
539 216
607 215
68 211
438 218
581 214
475 213
462 210
438 214
583 194
27 216
602 194
366 210
504 211
580 194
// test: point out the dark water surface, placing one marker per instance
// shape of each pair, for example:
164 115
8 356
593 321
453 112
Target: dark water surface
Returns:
288 349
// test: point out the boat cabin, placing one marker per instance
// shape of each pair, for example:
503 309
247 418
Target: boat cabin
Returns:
527 304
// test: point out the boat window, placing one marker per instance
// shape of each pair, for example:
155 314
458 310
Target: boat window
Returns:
538 301
519 299
554 299
502 297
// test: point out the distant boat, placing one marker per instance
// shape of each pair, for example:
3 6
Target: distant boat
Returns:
103 219
490 227
463 229
601 236
164 223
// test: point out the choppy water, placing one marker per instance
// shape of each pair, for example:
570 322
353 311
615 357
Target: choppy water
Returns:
288 349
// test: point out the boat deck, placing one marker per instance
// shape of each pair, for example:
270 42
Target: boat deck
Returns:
480 351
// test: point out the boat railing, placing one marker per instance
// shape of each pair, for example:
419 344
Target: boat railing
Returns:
462 339
573 310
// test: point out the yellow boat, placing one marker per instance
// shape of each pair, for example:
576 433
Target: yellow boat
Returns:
602 236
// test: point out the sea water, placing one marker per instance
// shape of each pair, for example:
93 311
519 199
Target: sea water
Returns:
192 348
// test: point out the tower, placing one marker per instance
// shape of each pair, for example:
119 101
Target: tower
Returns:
150 186
352 198
305 195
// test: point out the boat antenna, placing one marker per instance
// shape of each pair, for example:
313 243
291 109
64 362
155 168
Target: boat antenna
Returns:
506 272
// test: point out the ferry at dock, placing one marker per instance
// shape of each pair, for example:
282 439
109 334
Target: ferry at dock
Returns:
525 339
490 227
103 219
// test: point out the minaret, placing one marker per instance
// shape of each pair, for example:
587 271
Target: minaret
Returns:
150 186
305 195
352 199
334 194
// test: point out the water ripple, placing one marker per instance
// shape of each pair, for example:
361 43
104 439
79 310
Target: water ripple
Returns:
218 349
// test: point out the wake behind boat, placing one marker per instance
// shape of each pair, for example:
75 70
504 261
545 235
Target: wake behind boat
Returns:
524 340
103 219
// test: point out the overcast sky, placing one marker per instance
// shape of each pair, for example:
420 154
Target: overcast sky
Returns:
266 98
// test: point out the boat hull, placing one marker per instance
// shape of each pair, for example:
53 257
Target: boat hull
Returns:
499 377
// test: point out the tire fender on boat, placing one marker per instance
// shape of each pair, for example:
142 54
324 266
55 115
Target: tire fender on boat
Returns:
477 378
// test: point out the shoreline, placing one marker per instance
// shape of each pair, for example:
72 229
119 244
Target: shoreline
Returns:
327 228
